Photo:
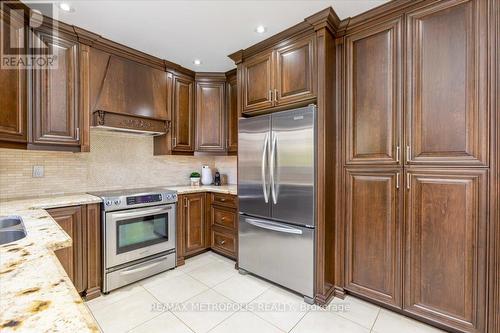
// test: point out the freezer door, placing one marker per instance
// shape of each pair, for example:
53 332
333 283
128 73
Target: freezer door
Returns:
292 169
279 252
254 140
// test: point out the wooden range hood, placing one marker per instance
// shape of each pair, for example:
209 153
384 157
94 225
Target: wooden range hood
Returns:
129 96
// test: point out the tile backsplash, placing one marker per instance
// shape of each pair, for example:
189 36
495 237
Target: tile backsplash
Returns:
115 161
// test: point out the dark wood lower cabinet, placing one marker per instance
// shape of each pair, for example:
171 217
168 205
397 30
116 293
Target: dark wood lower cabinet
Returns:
192 216
206 221
373 263
71 258
81 261
445 247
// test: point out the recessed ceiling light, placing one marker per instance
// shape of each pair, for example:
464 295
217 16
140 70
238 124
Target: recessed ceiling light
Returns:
65 6
197 62
260 29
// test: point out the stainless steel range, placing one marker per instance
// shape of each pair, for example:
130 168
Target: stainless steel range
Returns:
138 228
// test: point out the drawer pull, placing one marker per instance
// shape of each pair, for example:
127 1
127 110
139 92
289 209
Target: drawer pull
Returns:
223 219
222 242
222 199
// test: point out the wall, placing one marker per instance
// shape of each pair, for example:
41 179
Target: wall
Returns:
116 161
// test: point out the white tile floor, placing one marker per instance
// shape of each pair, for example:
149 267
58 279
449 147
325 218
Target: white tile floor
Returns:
209 295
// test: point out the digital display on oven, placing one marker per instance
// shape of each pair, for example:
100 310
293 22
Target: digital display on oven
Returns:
141 199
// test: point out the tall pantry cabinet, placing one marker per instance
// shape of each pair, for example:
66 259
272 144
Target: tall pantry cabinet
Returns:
416 165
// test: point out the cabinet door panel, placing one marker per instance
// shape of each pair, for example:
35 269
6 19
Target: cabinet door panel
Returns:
210 117
71 258
447 101
374 209
56 115
13 108
194 222
445 247
374 95
257 83
295 67
232 114
183 115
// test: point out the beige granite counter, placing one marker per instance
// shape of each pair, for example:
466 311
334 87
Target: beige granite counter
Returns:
225 189
36 295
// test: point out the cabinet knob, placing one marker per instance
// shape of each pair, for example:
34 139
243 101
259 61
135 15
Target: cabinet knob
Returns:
222 242
223 219
222 199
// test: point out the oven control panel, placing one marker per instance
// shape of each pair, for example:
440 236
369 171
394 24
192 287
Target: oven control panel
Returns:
142 199
135 200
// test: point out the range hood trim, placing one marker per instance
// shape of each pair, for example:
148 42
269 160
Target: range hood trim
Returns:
121 122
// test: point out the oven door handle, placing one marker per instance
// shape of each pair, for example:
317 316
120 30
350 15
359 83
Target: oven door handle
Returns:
144 267
141 212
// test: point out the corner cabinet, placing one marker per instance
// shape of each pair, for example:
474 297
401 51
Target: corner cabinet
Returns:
283 76
183 116
55 91
192 218
210 115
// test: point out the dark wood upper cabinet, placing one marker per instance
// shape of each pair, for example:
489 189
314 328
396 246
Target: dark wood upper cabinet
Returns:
232 114
55 92
283 76
295 68
373 223
257 88
210 116
447 120
194 214
71 258
446 242
374 94
183 116
13 96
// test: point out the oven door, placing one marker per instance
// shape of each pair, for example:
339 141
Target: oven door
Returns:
138 233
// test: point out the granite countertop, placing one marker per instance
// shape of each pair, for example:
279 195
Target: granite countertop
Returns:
225 189
36 294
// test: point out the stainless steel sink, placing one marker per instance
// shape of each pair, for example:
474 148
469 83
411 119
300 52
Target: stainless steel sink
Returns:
11 229
9 221
11 236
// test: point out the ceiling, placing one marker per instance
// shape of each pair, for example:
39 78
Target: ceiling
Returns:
183 30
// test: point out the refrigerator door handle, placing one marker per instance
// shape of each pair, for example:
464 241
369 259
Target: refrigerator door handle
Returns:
263 168
272 226
272 168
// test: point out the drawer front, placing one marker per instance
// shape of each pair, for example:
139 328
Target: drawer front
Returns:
224 243
224 218
224 200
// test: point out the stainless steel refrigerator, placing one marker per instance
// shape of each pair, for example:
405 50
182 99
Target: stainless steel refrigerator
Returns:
276 190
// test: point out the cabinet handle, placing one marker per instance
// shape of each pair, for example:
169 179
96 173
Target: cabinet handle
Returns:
397 180
275 94
78 134
222 242
223 219
174 142
408 154
398 154
270 95
222 199
185 202
408 179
